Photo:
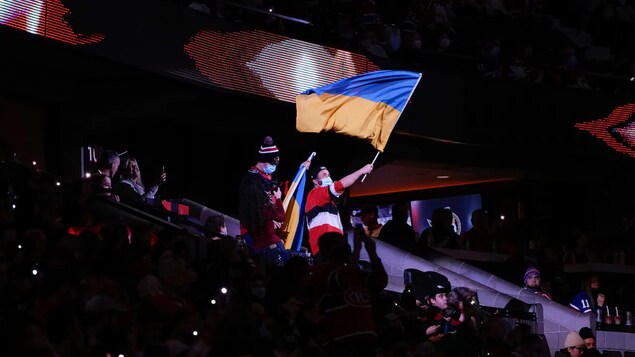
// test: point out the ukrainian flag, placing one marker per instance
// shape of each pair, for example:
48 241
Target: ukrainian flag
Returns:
366 106
292 229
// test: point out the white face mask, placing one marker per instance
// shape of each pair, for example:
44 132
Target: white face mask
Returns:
269 168
326 181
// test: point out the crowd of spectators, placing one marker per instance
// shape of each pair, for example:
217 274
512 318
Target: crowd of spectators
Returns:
575 43
81 278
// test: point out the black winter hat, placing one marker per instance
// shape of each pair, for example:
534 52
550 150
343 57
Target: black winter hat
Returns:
437 283
429 283
316 170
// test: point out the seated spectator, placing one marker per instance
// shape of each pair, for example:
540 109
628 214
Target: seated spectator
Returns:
574 345
131 188
589 342
532 282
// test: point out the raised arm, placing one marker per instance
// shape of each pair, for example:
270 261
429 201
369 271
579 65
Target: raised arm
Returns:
350 179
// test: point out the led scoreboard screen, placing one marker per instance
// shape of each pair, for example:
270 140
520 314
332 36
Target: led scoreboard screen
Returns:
172 40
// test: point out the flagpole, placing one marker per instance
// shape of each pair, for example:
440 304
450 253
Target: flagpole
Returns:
287 198
372 163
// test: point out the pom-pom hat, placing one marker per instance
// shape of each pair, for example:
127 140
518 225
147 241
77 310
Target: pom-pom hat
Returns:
269 152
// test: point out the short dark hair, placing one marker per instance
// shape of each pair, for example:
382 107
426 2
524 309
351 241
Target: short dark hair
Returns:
106 159
370 209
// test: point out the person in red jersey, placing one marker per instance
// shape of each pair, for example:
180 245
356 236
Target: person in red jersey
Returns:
321 206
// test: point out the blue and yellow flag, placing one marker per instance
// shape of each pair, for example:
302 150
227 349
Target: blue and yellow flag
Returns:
366 106
292 229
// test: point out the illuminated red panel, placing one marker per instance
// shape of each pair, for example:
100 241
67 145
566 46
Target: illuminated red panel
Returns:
617 130
270 65
43 18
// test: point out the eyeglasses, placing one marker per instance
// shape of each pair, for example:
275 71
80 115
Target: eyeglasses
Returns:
579 348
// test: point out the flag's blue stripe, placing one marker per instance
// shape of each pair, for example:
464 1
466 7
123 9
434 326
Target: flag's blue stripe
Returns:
387 86
299 230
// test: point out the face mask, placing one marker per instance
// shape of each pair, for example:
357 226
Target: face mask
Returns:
269 169
326 181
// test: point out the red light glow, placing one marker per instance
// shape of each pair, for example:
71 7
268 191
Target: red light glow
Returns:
270 65
44 18
617 130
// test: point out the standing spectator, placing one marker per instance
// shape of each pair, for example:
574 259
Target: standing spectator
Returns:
321 206
480 237
343 293
260 206
397 231
593 288
131 188
437 319
369 215
108 163
441 234
467 339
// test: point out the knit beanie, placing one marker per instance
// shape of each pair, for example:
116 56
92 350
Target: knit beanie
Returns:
268 152
529 272
573 339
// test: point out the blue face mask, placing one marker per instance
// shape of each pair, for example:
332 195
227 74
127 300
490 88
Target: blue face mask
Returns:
326 181
269 169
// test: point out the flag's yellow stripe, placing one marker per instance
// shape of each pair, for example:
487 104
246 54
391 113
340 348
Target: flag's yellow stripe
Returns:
352 116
